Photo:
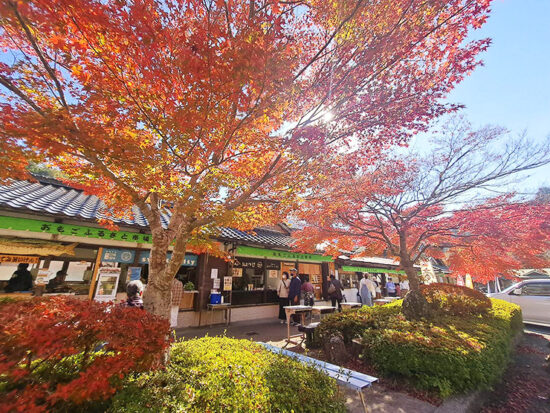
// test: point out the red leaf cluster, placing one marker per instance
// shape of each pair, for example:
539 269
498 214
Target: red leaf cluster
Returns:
65 350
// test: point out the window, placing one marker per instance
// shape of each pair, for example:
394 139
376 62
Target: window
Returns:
536 289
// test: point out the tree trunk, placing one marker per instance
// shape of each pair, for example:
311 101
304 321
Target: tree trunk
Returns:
158 294
415 305
157 300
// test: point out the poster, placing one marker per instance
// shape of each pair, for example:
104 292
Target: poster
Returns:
237 272
42 277
273 274
107 282
227 283
216 285
459 280
134 273
214 273
76 270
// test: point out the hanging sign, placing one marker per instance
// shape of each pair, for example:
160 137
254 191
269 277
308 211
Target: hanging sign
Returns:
240 262
237 272
118 255
227 283
25 259
107 282
190 260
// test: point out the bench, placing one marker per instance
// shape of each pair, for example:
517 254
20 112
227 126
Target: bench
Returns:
345 377
309 330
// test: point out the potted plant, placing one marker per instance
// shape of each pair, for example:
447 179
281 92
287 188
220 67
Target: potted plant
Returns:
188 298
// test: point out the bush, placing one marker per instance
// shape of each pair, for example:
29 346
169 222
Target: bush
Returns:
455 299
451 355
220 374
352 324
189 286
50 357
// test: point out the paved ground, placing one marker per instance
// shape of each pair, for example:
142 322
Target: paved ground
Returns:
526 383
266 330
543 331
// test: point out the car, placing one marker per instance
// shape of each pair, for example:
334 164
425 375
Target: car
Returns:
533 296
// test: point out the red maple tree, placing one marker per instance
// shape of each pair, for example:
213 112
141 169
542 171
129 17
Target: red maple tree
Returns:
441 204
218 112
60 352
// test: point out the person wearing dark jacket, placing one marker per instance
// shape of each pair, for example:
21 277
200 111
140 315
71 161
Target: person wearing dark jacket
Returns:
294 293
21 280
335 291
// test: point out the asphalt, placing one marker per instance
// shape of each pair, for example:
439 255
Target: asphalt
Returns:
540 330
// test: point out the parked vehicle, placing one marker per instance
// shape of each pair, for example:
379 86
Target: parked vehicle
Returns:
533 296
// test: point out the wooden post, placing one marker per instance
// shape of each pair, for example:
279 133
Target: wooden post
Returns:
94 276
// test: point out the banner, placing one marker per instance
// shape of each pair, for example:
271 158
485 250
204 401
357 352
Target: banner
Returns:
18 259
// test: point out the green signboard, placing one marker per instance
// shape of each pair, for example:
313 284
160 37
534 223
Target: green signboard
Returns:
281 255
33 225
371 270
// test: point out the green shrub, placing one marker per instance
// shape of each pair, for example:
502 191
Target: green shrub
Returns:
455 299
189 286
452 354
220 374
351 324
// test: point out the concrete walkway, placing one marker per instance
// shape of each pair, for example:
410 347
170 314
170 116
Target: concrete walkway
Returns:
266 330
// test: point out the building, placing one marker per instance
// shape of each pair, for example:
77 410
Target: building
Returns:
53 227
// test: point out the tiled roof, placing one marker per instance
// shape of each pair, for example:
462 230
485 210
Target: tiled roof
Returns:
52 197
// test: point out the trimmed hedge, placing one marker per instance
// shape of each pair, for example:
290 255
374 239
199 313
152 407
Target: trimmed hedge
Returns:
220 374
455 299
447 355
452 355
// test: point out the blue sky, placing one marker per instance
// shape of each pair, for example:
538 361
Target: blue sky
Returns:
512 89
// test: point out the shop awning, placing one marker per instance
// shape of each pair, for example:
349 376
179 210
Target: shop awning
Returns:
24 246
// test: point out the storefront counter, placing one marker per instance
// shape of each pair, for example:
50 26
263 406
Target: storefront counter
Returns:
253 297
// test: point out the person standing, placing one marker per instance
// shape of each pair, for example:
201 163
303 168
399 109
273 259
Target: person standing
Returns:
335 291
21 279
294 293
282 291
367 290
390 288
404 287
309 292
177 295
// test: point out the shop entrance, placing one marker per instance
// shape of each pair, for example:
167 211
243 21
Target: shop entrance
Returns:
313 272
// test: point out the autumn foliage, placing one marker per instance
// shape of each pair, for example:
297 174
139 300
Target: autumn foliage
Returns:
219 113
61 351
